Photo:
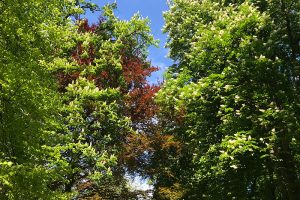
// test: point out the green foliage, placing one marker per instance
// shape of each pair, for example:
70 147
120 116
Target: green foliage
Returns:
92 131
233 98
32 33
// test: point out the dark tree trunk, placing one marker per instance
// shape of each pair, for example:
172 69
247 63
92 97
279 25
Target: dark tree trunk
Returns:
286 171
69 185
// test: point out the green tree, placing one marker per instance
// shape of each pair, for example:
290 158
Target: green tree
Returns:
232 99
32 35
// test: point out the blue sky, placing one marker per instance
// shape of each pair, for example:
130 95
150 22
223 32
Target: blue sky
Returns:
153 9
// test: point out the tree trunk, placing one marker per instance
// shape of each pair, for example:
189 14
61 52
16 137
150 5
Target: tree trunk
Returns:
286 170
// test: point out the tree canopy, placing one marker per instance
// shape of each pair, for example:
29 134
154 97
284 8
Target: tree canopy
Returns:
78 115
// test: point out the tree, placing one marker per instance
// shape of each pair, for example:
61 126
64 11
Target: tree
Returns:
33 33
233 99
106 99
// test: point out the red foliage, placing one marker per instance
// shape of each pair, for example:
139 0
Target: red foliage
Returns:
157 147
85 27
65 79
104 74
135 70
140 102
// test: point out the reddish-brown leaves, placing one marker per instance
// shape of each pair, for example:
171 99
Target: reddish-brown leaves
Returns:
140 103
85 27
65 79
135 70
141 148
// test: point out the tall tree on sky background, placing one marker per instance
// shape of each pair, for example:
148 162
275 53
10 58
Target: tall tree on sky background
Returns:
78 114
